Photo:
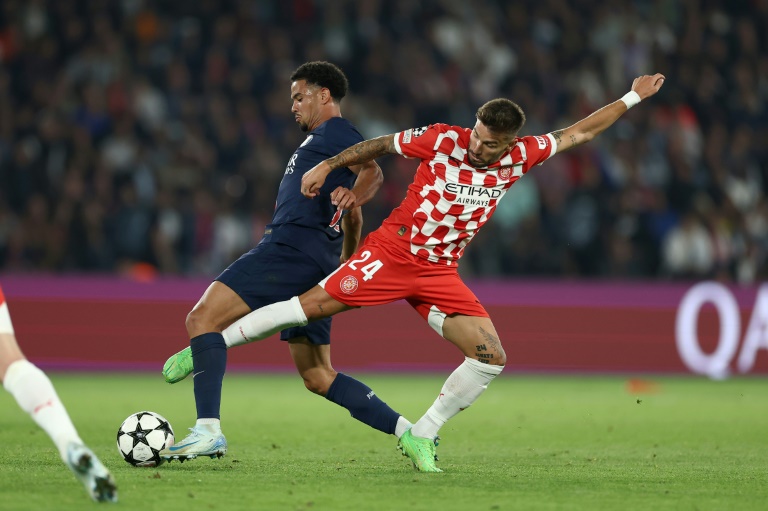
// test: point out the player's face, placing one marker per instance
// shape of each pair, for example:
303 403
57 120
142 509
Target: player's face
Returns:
306 104
486 146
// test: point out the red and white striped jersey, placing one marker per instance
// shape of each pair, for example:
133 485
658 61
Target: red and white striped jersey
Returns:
449 199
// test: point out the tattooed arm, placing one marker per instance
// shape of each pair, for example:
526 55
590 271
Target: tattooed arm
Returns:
359 153
591 126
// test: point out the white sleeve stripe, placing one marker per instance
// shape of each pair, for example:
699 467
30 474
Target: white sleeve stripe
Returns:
554 145
397 143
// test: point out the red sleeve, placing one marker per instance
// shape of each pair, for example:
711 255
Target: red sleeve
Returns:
419 142
536 150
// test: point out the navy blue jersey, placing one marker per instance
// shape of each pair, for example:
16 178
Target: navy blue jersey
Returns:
313 225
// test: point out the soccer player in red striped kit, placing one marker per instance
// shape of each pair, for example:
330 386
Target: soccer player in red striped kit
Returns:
463 174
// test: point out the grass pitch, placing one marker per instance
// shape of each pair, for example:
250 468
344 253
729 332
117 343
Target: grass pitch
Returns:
530 443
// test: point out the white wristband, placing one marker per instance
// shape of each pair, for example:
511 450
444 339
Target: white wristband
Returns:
630 99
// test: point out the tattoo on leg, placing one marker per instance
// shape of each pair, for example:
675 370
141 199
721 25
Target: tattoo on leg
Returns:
495 346
482 357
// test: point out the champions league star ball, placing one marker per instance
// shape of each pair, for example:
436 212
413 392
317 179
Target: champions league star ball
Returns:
142 436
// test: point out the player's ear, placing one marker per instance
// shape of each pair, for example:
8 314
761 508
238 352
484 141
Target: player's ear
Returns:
511 143
325 95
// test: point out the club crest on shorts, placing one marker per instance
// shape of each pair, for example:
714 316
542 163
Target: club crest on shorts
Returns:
348 284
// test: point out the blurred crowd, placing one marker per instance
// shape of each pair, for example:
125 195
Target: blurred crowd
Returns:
153 135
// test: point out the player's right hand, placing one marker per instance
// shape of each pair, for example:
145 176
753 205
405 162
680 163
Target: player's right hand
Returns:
313 180
646 85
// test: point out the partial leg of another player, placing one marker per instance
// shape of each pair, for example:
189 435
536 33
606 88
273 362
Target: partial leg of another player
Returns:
314 365
484 359
36 395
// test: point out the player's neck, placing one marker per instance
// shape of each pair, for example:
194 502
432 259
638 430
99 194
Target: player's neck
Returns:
323 118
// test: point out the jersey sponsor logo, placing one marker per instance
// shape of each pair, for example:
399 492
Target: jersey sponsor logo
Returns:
348 284
541 141
291 164
473 191
307 140
472 195
407 136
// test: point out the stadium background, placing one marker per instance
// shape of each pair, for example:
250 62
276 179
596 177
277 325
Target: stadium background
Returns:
145 141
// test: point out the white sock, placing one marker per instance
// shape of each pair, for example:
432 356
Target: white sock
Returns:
213 425
402 426
35 394
264 322
460 390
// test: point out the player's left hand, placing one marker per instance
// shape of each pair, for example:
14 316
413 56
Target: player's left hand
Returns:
343 198
313 180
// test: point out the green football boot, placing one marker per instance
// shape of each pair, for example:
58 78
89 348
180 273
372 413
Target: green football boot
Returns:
420 450
178 366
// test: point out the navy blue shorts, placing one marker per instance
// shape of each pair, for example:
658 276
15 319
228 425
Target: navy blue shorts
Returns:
272 272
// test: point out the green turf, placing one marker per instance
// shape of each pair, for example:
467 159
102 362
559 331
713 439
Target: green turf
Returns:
530 443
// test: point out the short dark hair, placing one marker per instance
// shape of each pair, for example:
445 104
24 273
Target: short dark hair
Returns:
323 74
501 116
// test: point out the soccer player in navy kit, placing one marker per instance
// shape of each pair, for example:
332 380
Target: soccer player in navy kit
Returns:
306 241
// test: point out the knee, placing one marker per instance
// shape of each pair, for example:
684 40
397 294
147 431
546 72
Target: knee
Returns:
318 381
198 322
490 353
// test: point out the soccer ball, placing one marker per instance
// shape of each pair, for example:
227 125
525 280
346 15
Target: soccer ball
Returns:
142 436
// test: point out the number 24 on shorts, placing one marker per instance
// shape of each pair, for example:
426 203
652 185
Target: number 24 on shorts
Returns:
370 268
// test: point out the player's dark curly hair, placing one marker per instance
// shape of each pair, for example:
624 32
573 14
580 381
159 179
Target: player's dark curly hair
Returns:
325 75
501 116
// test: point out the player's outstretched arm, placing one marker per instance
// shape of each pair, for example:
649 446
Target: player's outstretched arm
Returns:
588 128
362 152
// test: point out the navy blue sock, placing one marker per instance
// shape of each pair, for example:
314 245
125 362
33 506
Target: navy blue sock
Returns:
209 359
362 403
